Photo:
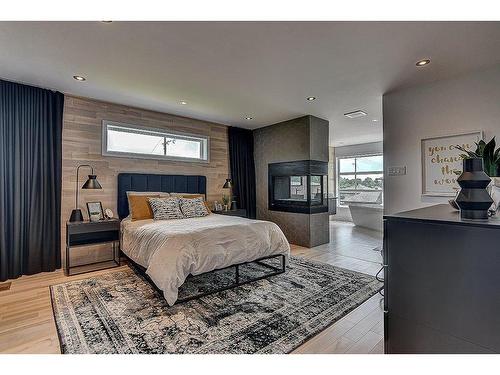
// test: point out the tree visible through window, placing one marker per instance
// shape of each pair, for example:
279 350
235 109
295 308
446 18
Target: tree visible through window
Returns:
360 174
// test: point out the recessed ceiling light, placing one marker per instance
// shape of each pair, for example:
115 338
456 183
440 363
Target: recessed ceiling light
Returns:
375 120
248 118
183 102
311 98
423 62
79 78
355 114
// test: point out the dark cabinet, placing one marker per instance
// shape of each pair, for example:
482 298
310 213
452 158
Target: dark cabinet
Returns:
442 283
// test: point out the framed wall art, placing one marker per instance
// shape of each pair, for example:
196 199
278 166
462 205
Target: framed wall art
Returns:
442 163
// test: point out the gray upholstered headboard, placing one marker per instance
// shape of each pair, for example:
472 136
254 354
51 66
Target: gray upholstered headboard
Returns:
156 182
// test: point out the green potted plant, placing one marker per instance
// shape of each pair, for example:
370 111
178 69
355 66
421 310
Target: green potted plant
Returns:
487 152
225 202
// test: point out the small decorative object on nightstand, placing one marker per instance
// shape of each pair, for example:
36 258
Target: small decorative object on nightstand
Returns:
230 203
95 211
108 213
241 212
217 206
225 202
91 233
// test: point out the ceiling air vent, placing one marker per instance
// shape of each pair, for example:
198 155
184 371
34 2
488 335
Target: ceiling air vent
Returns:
355 114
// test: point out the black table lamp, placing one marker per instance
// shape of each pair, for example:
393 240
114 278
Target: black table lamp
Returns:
91 183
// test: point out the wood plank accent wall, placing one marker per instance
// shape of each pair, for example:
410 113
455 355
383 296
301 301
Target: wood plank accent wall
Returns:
82 134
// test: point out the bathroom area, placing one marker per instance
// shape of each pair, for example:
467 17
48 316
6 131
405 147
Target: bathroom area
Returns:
356 204
356 185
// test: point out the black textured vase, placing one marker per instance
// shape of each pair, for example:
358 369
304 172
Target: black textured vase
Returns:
473 199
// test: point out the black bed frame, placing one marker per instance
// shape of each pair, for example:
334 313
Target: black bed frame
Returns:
183 184
237 280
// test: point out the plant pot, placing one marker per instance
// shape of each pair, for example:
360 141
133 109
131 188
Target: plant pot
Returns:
473 199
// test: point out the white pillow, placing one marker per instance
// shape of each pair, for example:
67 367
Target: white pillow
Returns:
165 208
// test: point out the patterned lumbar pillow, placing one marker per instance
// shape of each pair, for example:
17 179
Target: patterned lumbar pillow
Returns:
166 208
193 207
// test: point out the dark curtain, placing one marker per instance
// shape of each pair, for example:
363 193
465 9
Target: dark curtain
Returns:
243 168
30 179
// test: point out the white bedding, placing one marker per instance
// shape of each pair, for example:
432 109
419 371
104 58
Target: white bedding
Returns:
170 250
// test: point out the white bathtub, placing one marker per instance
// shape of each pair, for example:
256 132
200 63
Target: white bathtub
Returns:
367 215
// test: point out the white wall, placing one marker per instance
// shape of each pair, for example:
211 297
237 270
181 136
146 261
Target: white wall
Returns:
361 149
465 103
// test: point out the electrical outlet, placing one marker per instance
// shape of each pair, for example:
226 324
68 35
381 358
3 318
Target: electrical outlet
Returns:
396 171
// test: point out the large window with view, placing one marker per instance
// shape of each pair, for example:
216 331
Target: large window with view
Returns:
360 179
133 141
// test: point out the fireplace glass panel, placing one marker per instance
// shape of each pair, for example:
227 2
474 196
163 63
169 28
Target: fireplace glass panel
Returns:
295 189
290 188
316 190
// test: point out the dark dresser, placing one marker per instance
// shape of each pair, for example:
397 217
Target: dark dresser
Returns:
442 283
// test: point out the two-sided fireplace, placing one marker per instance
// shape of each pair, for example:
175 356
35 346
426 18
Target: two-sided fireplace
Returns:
298 186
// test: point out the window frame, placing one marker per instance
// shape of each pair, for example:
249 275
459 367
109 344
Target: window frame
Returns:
205 143
355 173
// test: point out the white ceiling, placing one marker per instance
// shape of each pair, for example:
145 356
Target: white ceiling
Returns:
229 70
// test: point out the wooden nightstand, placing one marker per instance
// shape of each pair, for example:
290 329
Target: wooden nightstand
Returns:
241 212
90 233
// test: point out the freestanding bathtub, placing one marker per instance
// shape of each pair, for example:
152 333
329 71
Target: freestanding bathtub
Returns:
367 215
367 209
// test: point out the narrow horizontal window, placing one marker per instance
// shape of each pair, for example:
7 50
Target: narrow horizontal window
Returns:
133 141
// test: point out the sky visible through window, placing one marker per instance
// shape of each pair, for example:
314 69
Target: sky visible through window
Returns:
364 164
121 139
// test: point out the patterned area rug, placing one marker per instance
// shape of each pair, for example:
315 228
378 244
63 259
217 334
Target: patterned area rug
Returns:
120 312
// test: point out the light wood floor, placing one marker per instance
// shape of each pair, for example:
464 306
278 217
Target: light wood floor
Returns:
27 324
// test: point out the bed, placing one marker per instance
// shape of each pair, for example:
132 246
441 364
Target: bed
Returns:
169 251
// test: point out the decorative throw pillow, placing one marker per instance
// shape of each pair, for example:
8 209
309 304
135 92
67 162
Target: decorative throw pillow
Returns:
139 206
166 208
193 207
191 196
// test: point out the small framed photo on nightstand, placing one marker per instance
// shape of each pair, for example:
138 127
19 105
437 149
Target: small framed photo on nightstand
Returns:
95 211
